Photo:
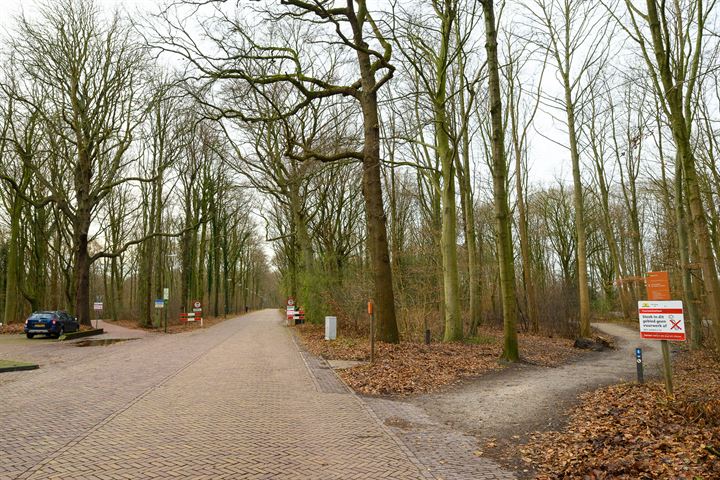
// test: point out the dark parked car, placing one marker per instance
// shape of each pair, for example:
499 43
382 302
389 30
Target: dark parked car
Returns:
52 324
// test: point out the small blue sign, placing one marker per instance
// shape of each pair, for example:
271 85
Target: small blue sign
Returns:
159 303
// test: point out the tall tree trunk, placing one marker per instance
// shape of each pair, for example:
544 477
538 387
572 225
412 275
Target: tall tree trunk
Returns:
387 330
506 261
12 291
579 207
466 198
116 285
680 123
81 227
525 253
448 237
81 274
684 252
159 257
471 243
187 252
609 232
307 289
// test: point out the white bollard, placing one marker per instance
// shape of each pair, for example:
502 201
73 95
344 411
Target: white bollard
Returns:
330 328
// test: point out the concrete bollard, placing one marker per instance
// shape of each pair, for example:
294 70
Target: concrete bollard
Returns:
330 328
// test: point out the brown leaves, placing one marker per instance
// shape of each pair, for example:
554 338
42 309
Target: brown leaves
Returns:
12 328
635 432
411 368
17 329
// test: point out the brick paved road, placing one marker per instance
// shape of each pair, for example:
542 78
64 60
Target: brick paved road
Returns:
232 401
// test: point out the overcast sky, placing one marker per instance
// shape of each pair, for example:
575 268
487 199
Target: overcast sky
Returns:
547 160
13 6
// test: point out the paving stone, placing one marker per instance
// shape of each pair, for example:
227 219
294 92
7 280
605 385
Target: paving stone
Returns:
232 401
238 400
442 451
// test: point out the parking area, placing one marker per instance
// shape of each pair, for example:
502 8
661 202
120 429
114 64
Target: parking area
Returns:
232 401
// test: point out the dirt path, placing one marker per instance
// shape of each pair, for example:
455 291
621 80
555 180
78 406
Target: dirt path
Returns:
113 330
526 398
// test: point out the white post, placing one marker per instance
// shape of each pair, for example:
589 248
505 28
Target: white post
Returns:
330 328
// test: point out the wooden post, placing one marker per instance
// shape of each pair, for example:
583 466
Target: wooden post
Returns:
372 331
667 367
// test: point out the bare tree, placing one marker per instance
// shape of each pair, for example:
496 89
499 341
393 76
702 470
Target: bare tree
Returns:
671 39
506 258
252 64
83 78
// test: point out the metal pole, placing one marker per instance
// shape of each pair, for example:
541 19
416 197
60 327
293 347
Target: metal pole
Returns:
667 367
639 363
371 310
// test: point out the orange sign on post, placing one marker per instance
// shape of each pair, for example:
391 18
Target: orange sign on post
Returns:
658 286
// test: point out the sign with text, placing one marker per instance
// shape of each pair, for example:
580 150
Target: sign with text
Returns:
661 320
658 286
159 303
97 306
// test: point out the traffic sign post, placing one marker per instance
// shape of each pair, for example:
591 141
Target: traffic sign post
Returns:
290 311
97 307
662 320
166 297
196 313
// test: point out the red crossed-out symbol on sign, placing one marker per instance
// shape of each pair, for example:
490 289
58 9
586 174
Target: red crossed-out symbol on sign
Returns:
675 325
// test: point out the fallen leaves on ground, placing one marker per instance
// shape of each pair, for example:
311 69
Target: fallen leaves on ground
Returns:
411 368
632 431
12 329
173 326
17 328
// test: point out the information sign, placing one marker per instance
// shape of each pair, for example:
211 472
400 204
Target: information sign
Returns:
661 320
658 286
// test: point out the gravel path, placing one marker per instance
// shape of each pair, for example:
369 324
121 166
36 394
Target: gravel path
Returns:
526 398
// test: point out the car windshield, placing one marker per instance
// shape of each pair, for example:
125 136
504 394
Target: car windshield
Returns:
41 316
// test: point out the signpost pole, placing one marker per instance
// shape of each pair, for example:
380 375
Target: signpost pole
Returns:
667 367
662 319
166 297
639 363
372 331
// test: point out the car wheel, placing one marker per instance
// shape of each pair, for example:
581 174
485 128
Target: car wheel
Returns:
30 335
59 334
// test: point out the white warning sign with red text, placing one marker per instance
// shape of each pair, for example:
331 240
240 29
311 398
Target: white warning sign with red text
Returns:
661 320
